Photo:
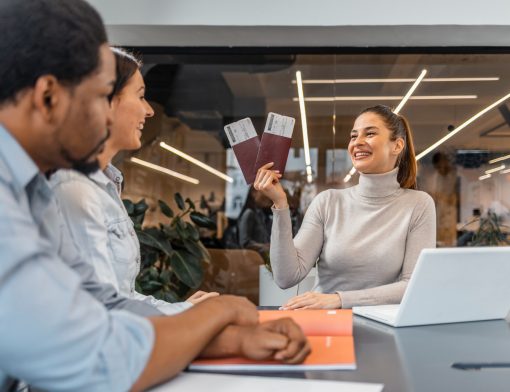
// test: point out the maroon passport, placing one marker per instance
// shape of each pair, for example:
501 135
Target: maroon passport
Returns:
275 143
245 142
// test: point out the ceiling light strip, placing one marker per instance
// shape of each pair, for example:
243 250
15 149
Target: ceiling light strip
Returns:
304 126
484 177
195 161
503 158
386 98
490 171
505 171
164 170
461 127
397 80
411 91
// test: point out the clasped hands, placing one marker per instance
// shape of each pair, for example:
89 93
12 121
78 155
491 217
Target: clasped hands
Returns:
281 339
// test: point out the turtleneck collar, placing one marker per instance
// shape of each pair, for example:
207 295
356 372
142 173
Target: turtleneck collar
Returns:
378 185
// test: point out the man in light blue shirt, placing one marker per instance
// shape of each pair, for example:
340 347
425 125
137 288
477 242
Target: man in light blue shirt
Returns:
56 72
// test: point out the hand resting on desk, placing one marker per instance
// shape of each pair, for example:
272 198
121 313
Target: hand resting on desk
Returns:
313 300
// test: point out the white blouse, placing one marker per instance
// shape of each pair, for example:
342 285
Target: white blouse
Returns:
103 231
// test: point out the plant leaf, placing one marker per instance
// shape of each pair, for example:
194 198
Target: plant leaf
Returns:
149 239
165 209
129 206
203 203
140 207
180 201
193 248
191 204
187 268
192 231
201 220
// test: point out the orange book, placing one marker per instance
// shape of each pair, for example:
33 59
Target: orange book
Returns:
329 333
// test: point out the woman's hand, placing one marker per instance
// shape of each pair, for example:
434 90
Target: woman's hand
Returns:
200 296
268 182
313 300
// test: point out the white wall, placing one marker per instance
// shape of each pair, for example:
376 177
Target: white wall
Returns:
304 12
310 23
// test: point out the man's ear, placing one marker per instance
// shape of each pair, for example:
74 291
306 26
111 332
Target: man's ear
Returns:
46 95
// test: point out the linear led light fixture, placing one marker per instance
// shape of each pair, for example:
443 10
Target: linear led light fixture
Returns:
395 80
484 177
503 158
210 169
165 170
505 171
462 126
386 98
304 127
490 171
410 92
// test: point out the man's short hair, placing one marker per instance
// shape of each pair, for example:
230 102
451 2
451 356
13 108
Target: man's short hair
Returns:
47 37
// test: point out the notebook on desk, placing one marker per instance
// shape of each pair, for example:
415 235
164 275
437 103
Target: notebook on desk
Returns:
451 285
329 333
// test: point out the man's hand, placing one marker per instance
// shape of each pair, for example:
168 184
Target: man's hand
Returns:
281 339
313 300
239 309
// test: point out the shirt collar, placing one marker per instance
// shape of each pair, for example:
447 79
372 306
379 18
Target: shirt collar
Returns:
378 185
22 168
105 178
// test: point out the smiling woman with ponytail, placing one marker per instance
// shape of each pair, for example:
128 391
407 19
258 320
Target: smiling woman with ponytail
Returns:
365 239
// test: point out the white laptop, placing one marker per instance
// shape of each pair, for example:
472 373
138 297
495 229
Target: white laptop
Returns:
451 285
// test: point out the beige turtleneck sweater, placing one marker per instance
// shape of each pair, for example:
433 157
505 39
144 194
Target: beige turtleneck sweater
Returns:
365 239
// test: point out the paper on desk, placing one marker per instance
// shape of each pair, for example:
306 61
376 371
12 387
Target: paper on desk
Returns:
187 382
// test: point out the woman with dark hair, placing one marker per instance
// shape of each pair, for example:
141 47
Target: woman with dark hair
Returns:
365 240
254 223
92 207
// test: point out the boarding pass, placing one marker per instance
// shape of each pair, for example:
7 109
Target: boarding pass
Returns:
240 131
279 125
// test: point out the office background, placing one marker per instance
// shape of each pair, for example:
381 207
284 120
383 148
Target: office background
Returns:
208 66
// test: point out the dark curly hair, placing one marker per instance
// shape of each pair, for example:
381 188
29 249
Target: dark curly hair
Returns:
47 37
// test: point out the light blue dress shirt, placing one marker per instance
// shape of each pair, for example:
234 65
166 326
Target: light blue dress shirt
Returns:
103 231
54 334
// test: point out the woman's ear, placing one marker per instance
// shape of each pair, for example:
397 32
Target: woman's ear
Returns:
399 146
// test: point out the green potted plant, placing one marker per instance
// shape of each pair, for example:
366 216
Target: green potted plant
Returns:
172 256
490 232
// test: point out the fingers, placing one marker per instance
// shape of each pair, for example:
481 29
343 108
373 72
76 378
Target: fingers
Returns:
201 296
297 348
297 301
263 174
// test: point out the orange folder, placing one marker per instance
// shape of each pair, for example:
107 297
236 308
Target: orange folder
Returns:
329 333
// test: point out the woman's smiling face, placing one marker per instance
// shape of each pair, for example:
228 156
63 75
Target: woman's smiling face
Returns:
370 147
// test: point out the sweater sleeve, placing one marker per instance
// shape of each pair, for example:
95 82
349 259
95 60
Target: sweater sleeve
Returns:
421 235
292 259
